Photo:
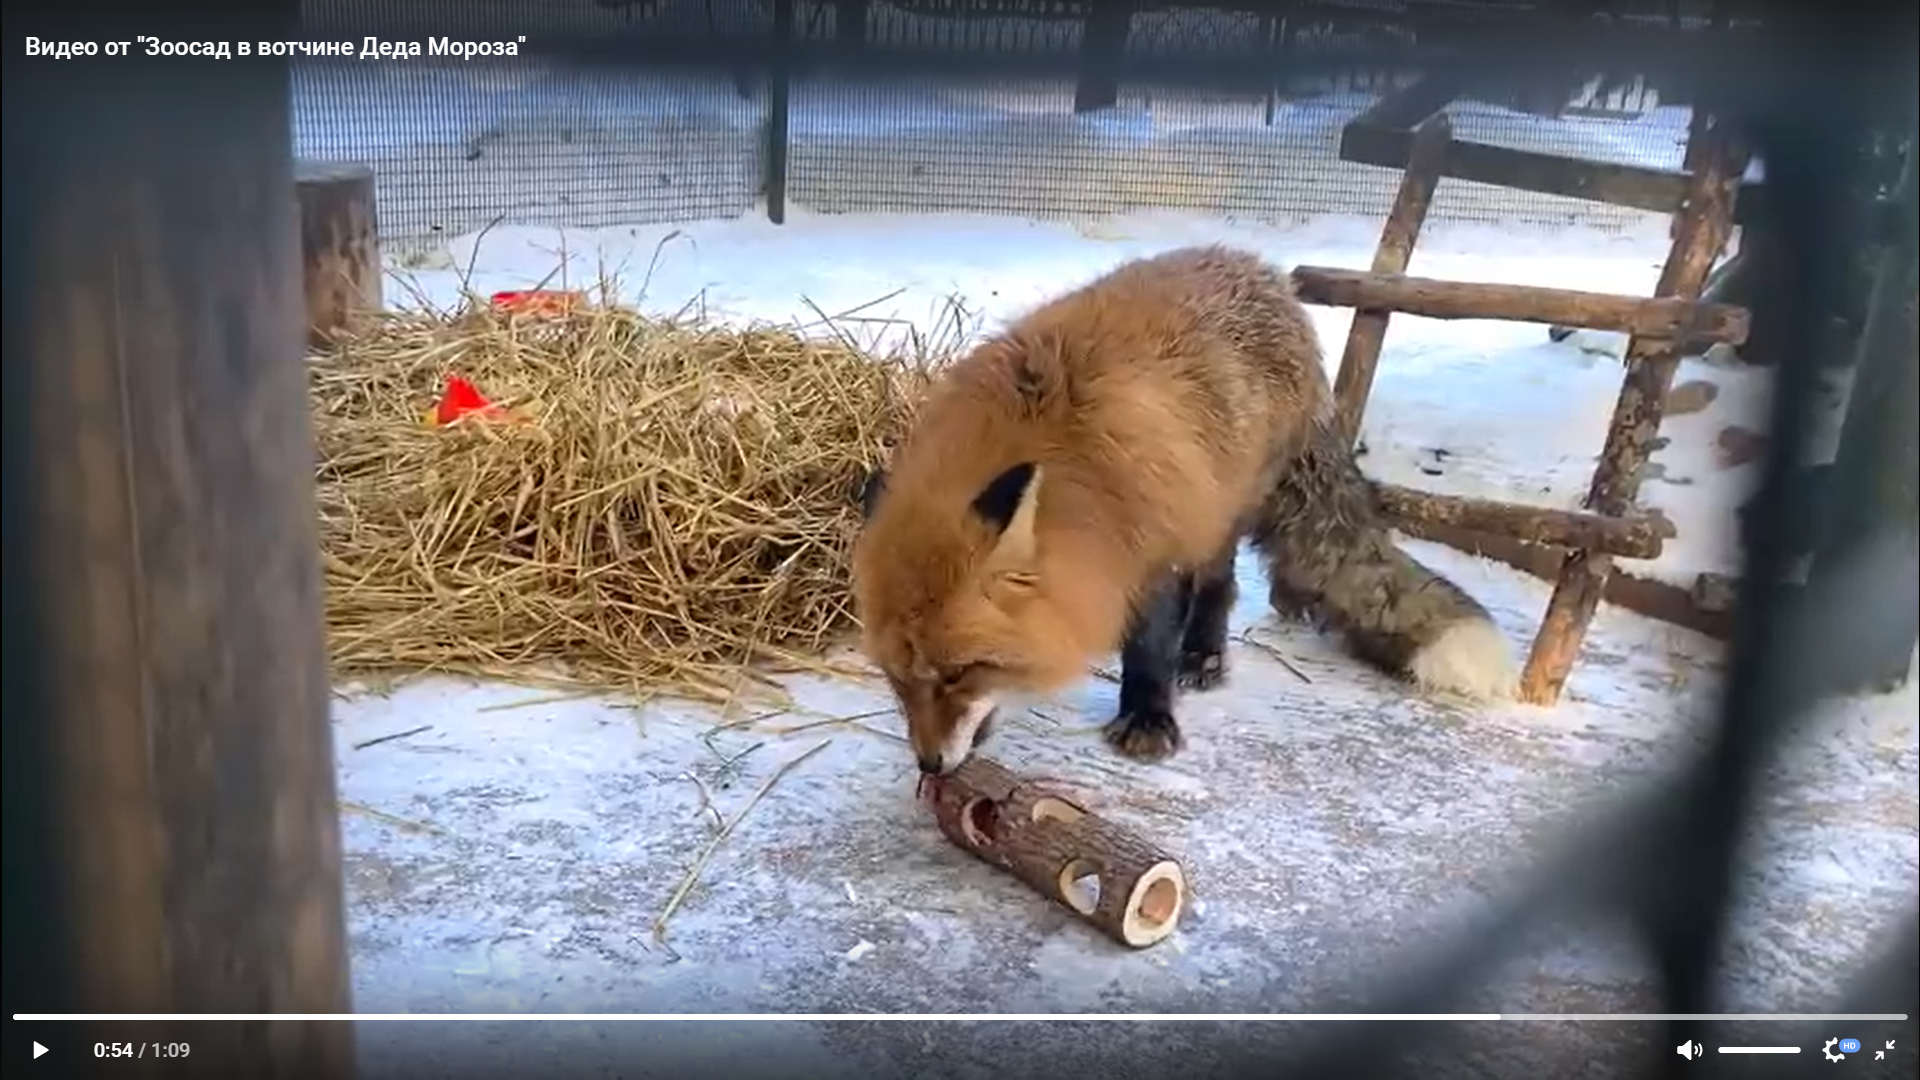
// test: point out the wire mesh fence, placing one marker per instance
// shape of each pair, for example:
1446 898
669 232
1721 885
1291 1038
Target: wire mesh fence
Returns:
605 123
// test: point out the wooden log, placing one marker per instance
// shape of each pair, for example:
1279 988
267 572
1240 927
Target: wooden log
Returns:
339 245
1647 317
1636 187
1651 362
1628 537
167 679
1354 383
1699 609
1126 887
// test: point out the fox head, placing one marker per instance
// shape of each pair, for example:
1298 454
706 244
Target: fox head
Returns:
954 607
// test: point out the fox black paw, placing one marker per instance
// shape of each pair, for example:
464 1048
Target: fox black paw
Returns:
1202 670
1144 734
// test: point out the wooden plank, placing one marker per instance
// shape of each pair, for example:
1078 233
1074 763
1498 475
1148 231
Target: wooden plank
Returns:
1649 317
1702 231
171 617
1636 187
1628 537
1354 383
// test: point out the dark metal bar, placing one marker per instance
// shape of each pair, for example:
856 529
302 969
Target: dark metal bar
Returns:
1103 43
779 94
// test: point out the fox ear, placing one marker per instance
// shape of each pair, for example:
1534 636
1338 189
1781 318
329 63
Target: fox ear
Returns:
874 486
1009 503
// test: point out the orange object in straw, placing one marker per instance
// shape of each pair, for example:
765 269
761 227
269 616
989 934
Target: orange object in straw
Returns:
537 301
462 398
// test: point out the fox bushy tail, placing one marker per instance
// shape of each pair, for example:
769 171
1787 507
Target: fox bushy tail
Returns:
1331 559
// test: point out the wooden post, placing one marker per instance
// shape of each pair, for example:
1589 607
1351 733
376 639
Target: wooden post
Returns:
339 245
167 723
779 105
1126 887
1103 46
1704 225
1354 383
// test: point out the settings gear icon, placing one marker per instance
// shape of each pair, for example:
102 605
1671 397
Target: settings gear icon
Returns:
1828 1051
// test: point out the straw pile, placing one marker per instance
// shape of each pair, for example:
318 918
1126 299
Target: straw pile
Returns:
664 503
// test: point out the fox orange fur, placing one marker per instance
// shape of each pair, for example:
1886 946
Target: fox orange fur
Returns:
1081 482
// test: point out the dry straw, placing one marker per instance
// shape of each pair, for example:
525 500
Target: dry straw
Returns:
667 502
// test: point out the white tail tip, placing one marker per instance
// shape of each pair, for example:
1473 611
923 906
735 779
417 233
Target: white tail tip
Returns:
1469 658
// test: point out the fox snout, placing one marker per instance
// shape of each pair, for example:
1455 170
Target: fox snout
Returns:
969 729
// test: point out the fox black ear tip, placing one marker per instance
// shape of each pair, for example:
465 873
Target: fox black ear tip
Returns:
871 487
1001 498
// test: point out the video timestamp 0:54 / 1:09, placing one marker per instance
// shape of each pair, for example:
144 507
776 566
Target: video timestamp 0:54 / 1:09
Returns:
141 1049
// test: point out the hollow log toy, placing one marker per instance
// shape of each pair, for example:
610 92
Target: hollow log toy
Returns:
1126 887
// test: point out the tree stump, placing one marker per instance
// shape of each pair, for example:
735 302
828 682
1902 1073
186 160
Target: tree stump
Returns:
1126 887
339 245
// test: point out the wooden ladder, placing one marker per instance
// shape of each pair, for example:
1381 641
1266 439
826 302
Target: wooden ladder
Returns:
1409 130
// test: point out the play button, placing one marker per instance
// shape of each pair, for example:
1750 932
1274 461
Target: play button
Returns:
38 1050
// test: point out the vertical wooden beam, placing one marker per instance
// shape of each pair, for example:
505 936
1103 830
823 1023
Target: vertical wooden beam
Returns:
1705 221
164 588
339 244
1368 334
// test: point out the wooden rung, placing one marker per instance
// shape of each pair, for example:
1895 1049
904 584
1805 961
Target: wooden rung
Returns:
1653 318
1645 596
1637 187
1627 537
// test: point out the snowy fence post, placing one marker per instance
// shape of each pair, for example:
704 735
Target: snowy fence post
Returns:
1651 362
339 245
171 804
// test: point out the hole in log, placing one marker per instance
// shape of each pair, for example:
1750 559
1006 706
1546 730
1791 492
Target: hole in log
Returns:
980 820
1159 903
1154 905
1080 884
1049 808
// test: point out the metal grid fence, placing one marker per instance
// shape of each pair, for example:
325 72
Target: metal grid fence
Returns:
600 126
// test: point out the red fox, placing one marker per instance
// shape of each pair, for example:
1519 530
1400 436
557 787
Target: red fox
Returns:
1081 482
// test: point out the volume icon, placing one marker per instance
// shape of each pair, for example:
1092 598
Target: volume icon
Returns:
1689 1050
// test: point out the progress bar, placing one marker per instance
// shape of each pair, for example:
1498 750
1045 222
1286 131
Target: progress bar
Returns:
972 1017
